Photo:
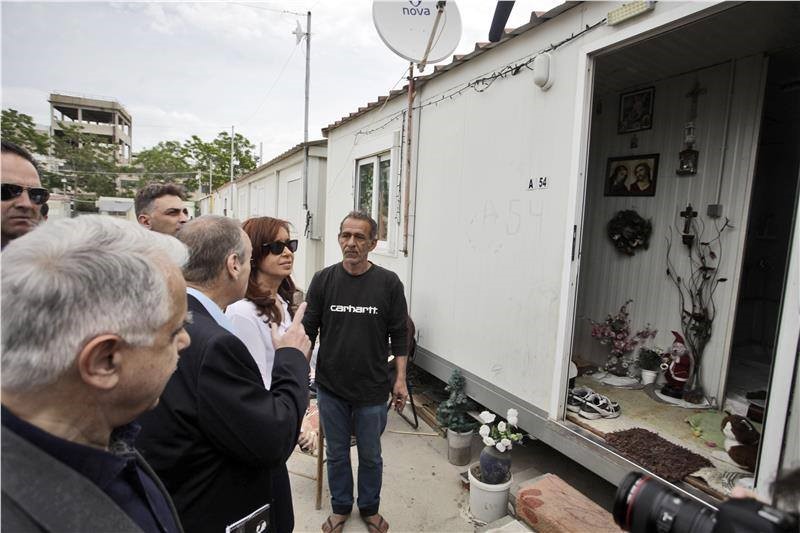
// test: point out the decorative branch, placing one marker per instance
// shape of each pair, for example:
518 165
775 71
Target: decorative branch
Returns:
696 291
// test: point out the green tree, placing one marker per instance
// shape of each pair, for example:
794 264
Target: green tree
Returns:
20 129
88 164
195 156
162 162
201 155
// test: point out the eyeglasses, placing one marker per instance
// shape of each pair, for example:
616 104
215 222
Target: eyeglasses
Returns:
38 195
278 246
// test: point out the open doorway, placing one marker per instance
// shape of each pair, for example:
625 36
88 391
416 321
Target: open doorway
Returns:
685 108
773 200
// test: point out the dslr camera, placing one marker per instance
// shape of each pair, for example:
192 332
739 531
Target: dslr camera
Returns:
645 505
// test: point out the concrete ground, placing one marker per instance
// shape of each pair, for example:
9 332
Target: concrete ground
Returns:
422 491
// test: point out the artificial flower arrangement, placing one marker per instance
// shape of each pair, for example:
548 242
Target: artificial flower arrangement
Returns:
500 435
615 331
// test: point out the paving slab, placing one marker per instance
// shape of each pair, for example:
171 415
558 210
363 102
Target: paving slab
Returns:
507 524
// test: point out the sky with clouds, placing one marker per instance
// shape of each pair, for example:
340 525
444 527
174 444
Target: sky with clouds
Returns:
198 68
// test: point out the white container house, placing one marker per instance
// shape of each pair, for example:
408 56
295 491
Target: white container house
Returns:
276 189
503 248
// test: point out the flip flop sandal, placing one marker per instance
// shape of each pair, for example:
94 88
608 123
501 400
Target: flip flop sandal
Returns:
381 527
331 528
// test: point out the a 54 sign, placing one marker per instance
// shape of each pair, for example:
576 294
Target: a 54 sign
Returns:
536 184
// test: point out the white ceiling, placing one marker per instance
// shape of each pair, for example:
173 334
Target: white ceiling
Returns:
740 31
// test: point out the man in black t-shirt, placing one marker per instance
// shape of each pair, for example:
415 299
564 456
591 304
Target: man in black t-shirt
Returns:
356 307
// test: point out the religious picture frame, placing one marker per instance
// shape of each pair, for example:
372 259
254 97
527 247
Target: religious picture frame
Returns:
636 110
633 175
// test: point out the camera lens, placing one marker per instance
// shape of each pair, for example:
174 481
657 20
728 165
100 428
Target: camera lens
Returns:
643 505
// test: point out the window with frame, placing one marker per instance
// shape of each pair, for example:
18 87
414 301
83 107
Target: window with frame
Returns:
373 180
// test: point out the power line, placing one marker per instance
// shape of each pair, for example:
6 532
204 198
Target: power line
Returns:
123 173
274 83
273 10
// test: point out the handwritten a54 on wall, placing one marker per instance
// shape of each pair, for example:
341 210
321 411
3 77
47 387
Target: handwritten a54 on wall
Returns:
538 183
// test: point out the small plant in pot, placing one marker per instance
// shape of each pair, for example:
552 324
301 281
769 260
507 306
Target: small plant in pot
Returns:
452 415
649 361
490 479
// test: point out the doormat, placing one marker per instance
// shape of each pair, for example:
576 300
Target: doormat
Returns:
661 457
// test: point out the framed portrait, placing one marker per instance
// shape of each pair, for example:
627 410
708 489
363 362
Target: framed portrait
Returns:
636 110
631 175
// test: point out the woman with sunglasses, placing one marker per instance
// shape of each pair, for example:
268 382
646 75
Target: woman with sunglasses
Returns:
268 300
269 290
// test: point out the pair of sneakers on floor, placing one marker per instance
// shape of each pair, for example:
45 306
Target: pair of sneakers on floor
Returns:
591 405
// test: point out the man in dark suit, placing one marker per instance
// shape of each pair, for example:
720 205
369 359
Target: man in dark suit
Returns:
80 362
217 433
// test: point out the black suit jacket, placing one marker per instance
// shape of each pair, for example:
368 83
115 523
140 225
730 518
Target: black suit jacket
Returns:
41 494
217 432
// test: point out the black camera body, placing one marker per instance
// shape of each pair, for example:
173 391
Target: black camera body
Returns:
644 505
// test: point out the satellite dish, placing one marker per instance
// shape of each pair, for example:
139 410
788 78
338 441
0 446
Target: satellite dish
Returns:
406 28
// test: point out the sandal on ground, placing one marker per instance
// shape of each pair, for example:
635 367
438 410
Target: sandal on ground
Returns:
382 526
333 527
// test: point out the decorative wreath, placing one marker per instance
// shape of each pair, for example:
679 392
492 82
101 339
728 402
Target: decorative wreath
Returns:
629 231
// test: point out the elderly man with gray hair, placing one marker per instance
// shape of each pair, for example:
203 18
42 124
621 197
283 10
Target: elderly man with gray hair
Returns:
93 313
218 436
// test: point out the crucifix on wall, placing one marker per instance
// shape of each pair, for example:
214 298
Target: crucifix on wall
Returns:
694 94
688 158
688 214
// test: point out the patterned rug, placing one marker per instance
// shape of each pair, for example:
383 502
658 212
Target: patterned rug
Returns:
666 460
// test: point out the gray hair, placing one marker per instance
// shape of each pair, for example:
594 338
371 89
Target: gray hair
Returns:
73 279
210 239
362 215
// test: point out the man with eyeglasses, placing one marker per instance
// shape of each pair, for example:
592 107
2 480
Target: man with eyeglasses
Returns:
22 192
159 207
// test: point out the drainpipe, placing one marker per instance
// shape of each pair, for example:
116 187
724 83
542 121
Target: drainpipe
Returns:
409 134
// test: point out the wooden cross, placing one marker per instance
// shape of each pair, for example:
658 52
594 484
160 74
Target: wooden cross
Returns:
694 94
688 214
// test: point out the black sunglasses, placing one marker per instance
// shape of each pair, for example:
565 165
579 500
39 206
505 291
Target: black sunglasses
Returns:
278 246
38 195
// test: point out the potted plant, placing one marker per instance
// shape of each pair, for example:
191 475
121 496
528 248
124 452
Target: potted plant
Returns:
490 478
649 361
452 415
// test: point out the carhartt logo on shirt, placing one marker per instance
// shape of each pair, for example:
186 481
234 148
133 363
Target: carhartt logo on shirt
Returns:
357 309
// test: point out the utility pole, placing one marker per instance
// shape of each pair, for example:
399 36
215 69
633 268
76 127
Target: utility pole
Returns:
210 176
232 154
233 187
299 35
305 122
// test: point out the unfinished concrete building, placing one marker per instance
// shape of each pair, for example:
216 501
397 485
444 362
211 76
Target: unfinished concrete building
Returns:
106 120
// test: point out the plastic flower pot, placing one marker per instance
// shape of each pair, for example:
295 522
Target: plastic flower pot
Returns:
487 502
459 447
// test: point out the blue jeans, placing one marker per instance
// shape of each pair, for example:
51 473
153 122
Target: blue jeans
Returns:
339 421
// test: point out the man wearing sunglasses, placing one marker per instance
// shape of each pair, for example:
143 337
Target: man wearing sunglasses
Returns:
22 192
159 207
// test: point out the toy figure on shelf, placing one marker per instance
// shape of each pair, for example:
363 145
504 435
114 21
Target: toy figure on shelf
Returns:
677 368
